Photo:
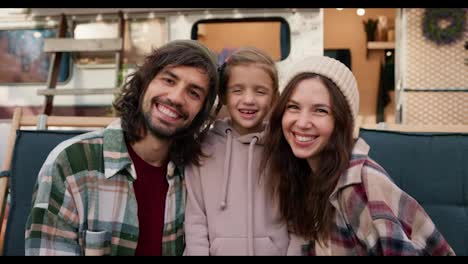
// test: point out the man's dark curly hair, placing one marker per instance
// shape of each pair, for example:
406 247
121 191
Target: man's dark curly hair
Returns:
185 148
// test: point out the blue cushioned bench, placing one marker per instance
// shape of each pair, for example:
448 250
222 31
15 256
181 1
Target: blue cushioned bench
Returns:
433 168
30 152
27 151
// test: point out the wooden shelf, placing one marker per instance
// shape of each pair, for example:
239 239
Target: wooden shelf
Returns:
380 45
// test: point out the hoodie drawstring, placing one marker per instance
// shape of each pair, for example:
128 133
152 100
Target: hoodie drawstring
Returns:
226 174
250 212
227 163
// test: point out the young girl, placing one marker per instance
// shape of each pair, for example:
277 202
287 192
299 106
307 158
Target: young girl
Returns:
227 210
335 199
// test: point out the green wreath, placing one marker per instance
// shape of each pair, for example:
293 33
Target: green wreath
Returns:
449 34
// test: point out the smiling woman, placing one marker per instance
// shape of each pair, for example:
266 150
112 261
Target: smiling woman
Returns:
312 163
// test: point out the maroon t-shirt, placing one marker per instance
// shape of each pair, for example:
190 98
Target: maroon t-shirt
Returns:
150 191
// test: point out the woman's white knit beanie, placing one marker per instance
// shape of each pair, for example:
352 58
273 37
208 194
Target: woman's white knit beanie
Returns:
334 70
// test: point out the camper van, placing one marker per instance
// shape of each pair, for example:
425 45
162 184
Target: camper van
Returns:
72 61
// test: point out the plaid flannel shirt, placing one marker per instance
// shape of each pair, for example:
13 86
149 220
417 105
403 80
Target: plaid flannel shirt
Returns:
375 217
84 202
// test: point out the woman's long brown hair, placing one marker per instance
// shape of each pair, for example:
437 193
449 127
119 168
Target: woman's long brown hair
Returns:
303 194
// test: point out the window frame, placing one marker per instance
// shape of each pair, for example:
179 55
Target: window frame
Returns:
283 21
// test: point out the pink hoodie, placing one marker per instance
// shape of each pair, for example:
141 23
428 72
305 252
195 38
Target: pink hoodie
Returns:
228 211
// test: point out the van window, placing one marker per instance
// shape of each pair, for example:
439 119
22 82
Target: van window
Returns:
22 59
223 36
94 30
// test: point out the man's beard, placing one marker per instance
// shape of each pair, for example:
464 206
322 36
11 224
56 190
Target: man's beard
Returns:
162 133
159 131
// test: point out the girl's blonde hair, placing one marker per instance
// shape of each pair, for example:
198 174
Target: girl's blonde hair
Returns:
246 56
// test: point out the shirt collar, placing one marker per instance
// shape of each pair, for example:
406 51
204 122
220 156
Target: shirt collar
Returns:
352 175
117 158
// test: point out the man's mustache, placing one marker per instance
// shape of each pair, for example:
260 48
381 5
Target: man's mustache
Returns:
177 107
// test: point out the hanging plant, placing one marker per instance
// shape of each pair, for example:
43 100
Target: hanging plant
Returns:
370 27
434 30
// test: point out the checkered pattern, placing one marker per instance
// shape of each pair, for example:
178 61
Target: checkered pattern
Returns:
375 217
84 202
432 66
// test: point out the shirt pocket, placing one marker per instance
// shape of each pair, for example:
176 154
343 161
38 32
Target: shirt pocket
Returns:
97 243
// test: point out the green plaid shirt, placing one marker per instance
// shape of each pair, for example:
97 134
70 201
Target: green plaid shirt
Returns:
84 202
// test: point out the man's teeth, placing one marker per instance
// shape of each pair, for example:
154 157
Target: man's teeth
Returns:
167 112
303 139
